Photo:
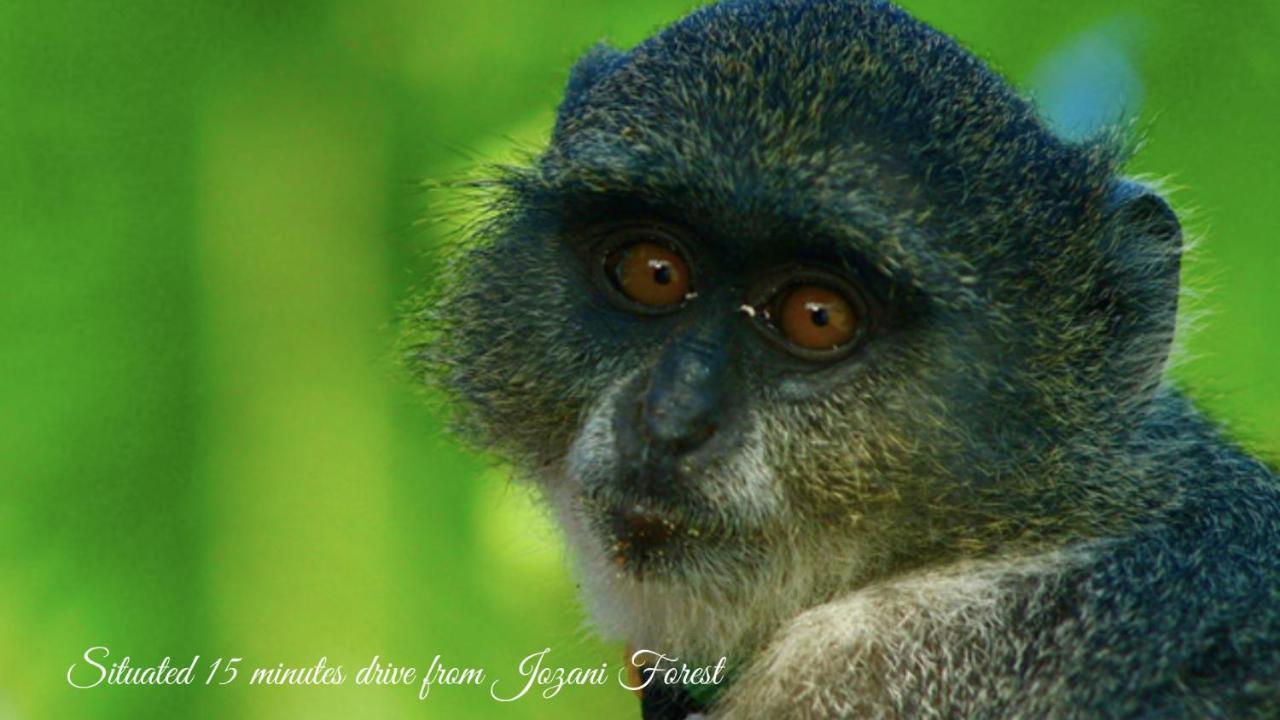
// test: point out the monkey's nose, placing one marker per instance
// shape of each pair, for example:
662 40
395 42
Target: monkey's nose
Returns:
683 403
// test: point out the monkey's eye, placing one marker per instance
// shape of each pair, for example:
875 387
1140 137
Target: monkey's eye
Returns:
815 318
812 313
654 277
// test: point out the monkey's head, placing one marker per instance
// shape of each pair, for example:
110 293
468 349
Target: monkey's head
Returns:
800 293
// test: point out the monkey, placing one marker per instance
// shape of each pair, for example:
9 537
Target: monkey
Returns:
831 358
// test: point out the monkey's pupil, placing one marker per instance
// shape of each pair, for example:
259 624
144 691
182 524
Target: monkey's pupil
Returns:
661 273
820 316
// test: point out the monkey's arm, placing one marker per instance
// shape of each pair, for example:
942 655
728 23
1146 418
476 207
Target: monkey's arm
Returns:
927 645
1174 621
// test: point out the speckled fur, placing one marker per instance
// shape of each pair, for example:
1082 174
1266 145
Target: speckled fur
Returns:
1003 510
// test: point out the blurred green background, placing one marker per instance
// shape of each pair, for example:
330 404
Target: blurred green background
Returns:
208 224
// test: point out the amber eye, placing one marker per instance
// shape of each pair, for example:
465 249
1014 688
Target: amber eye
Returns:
649 274
815 318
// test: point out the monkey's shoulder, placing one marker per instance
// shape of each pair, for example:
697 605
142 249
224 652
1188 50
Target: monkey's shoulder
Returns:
1184 613
1181 618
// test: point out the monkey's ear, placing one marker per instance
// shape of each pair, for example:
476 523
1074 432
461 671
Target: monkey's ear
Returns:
1142 254
592 67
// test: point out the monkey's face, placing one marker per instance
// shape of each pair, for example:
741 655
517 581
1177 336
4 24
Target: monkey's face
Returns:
696 392
765 306
671 462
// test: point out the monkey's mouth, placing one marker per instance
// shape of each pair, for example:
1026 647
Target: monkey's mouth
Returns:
642 537
639 530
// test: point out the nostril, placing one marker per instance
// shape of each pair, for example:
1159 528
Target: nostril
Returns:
679 434
699 436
